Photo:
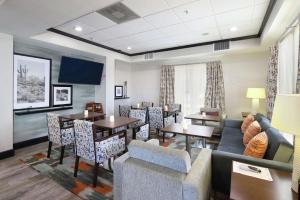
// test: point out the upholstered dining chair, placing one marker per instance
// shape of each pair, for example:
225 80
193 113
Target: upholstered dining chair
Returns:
124 110
147 104
140 129
59 133
157 119
89 148
177 107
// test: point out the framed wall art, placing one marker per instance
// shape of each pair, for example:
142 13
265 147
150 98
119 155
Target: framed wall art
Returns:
62 95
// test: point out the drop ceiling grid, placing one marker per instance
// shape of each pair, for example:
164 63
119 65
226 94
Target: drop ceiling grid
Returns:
189 28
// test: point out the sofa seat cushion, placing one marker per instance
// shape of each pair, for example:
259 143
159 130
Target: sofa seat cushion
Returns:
232 141
257 146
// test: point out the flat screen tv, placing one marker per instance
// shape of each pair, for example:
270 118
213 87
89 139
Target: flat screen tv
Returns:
78 71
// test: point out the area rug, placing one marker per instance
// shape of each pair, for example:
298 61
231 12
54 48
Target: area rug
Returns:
82 184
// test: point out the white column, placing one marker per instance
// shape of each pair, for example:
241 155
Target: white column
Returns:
6 91
109 84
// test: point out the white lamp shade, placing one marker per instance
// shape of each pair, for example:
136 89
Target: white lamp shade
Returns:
256 93
286 113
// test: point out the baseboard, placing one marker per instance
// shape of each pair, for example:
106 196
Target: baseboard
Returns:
7 154
30 142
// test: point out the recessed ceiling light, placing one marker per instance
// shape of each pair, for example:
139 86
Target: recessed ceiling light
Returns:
205 34
233 29
78 28
129 48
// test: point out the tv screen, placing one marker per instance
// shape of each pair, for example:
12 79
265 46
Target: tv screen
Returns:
73 70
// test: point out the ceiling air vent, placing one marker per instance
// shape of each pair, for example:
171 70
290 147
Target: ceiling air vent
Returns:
221 45
149 56
118 13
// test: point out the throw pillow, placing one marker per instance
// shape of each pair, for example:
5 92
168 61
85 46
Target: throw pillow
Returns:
247 121
252 130
257 146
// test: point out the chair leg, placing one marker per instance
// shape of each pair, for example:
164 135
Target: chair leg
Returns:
95 174
76 166
62 151
49 149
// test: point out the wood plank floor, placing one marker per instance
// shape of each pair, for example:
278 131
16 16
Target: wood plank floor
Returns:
20 182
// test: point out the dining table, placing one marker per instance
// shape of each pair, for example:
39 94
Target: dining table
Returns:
91 116
203 118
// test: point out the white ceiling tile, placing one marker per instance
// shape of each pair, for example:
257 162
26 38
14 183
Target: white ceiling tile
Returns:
234 16
261 1
176 29
96 20
174 3
259 10
239 33
197 9
99 36
220 6
241 27
146 7
162 19
70 28
149 35
201 24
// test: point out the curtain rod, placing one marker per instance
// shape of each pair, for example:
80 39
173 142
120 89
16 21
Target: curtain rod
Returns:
292 25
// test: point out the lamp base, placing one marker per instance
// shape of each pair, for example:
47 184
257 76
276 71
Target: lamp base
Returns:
296 165
255 106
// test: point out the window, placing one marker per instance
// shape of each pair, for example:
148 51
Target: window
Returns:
190 86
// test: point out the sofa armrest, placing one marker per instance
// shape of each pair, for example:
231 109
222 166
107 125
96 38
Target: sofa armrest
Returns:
197 183
118 176
222 165
233 123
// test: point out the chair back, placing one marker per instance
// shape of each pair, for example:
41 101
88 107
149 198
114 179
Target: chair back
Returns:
155 117
124 110
147 104
211 111
94 107
84 139
138 114
53 124
174 106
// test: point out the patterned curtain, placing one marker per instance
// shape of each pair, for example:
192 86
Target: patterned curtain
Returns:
298 77
215 93
272 80
167 85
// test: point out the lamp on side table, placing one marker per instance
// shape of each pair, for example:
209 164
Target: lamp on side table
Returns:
286 118
255 94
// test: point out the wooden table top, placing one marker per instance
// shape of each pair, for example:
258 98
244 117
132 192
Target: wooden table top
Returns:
81 116
198 116
118 122
250 188
192 130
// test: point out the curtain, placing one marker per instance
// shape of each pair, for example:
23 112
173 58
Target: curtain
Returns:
288 63
190 84
272 80
215 93
167 85
298 77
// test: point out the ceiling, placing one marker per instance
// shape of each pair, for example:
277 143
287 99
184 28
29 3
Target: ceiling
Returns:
162 23
170 23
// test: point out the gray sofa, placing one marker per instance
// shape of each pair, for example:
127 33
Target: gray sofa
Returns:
152 172
278 155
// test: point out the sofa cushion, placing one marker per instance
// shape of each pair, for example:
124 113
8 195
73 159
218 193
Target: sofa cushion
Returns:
246 123
257 146
178 160
279 148
232 141
251 131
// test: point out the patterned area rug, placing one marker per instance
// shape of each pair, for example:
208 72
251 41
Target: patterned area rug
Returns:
82 184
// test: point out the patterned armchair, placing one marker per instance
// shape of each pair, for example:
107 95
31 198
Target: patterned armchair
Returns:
157 120
124 110
58 133
89 148
140 128
147 104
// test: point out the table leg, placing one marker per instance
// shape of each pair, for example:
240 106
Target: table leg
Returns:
175 116
110 132
164 137
109 164
187 144
204 142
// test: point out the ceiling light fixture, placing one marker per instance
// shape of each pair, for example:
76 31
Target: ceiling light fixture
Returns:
233 29
205 34
129 48
78 28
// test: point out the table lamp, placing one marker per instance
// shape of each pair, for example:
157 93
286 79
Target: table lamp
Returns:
255 94
286 118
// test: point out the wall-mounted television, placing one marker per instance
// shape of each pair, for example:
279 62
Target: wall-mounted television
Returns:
78 71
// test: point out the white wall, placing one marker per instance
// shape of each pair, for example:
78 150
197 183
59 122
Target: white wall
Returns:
6 91
240 72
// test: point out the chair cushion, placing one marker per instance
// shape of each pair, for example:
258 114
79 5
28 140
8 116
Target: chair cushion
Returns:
257 146
251 131
232 141
247 121
178 160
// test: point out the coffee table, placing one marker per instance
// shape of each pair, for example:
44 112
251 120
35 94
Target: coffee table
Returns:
192 130
203 118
